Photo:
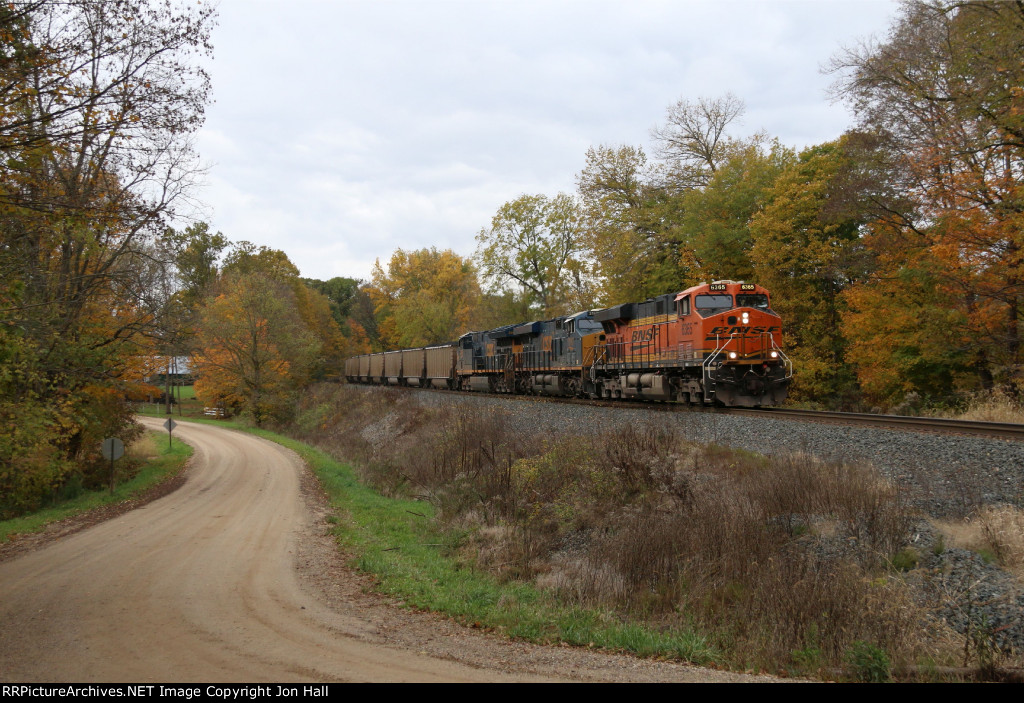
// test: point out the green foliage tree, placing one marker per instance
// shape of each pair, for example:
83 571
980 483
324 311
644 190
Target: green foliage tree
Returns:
534 246
340 292
716 218
807 251
195 252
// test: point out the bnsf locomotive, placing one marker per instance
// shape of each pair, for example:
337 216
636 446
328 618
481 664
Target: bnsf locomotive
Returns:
712 343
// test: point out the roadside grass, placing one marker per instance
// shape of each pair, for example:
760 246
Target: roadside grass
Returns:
158 462
397 542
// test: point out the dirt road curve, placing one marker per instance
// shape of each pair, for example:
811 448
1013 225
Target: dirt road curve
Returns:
231 578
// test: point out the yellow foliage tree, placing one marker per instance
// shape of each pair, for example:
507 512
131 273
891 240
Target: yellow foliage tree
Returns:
425 297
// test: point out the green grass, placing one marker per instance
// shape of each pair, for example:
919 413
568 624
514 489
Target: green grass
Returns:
161 463
415 562
190 406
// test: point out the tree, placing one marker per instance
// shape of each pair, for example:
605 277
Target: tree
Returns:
942 98
254 349
627 225
693 140
97 102
340 292
716 219
312 306
534 244
807 251
195 253
905 333
425 297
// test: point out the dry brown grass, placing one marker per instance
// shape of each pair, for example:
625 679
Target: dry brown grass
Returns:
993 530
992 406
783 561
143 449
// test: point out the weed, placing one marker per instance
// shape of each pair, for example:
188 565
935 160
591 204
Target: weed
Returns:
906 559
869 663
987 554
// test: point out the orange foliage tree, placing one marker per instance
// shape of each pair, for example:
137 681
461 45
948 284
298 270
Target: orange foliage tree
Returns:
254 349
942 97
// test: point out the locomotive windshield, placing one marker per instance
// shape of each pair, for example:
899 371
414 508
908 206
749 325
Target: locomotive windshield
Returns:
712 304
752 300
585 326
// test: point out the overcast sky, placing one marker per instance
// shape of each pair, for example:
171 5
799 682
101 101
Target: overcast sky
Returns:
342 131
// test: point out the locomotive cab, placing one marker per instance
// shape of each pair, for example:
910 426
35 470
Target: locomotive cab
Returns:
739 337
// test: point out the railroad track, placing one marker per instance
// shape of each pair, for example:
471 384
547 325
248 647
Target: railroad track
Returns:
1002 430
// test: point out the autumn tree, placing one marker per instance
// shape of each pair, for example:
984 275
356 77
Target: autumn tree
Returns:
694 141
425 297
716 218
655 227
254 351
627 228
341 294
941 96
533 247
97 103
314 308
343 300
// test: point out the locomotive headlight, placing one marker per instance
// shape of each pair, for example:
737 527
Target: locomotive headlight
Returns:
746 318
774 355
732 355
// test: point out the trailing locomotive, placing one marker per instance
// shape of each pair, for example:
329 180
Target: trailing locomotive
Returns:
712 343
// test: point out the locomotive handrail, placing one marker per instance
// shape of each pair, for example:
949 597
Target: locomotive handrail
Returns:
788 364
706 364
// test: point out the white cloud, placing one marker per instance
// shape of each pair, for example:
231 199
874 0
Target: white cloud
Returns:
342 131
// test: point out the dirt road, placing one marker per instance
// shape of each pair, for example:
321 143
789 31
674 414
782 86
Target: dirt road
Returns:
232 578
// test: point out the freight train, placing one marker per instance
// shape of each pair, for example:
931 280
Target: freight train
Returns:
714 343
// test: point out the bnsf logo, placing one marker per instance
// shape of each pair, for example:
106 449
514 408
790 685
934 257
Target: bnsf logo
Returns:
647 335
742 330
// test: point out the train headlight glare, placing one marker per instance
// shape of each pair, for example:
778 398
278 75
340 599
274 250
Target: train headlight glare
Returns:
774 355
746 318
732 355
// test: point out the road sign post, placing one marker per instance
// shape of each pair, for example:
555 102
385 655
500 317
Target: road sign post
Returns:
170 425
112 449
